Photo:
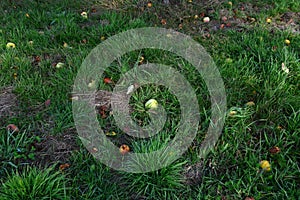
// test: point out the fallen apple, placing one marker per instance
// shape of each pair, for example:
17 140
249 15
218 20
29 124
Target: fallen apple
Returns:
59 65
287 42
206 19
151 104
265 165
124 149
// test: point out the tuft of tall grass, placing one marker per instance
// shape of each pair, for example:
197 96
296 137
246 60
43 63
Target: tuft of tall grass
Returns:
33 184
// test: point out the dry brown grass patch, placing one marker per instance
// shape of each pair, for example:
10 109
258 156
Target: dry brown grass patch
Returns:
8 102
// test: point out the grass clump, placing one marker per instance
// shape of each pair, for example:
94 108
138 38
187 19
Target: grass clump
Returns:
33 184
14 147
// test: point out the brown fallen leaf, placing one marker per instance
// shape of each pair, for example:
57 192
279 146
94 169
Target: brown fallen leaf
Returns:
163 21
35 60
274 150
102 111
62 167
12 128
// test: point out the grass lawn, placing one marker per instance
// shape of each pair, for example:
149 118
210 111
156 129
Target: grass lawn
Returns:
256 48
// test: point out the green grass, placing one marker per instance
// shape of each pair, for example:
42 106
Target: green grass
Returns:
34 184
250 62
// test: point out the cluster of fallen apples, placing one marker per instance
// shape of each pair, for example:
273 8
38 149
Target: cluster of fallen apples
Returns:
104 99
151 104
